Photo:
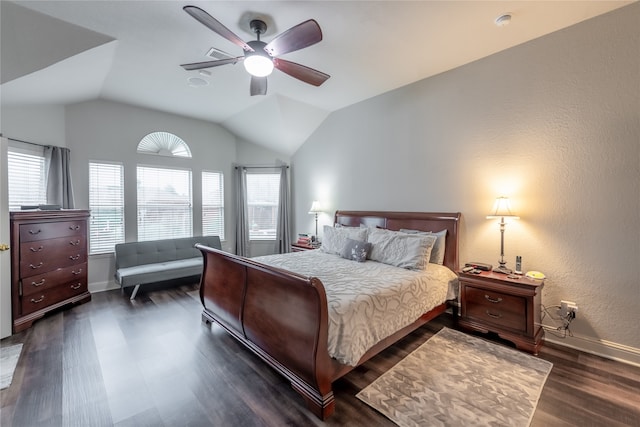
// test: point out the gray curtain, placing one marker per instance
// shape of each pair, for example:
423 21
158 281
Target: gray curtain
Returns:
283 231
59 188
242 214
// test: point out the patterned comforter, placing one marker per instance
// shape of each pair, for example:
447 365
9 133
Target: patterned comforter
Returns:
368 301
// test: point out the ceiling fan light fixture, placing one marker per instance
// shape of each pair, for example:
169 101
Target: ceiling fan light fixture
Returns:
258 64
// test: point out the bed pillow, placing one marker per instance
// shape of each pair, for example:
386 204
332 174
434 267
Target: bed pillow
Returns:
437 253
356 250
411 251
335 239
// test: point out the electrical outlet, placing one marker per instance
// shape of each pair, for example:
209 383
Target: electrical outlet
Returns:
568 308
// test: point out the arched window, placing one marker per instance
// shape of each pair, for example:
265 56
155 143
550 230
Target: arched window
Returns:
164 144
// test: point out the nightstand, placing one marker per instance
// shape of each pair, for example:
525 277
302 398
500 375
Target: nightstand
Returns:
299 247
492 302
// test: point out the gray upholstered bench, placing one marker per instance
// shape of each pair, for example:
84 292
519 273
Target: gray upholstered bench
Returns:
139 263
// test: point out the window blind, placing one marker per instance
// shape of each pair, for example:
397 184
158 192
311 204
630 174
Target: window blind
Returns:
26 179
263 195
164 203
106 202
213 204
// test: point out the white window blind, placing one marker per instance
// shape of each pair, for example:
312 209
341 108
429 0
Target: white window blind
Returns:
213 204
26 179
164 203
106 202
263 195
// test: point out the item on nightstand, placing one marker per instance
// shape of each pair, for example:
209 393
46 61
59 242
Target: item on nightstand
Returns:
479 266
535 275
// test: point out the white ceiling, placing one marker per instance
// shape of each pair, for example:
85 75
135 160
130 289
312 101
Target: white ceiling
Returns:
133 50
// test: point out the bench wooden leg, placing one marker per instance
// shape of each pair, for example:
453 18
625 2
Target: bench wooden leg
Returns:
135 291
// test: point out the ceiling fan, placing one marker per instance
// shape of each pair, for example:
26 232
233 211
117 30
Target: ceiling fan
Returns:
261 58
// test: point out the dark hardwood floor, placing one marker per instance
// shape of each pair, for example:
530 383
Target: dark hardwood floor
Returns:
152 362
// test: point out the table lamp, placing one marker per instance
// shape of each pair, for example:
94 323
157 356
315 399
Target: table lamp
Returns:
315 210
502 209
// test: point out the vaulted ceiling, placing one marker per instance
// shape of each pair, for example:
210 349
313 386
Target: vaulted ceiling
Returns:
63 52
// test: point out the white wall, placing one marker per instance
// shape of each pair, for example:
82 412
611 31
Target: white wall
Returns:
553 124
41 124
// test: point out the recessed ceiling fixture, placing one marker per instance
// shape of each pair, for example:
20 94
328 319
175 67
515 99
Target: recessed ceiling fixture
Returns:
197 82
503 20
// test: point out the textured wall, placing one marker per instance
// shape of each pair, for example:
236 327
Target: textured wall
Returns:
554 124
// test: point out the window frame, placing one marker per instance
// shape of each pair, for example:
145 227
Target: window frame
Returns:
146 236
118 206
271 236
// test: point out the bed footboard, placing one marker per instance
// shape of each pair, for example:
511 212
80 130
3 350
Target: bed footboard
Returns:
281 316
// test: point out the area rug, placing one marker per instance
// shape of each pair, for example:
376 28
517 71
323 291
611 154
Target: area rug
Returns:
455 379
8 361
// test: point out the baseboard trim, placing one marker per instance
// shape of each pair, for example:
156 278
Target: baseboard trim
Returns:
603 348
103 286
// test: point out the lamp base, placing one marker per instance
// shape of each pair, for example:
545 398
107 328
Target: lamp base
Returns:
502 270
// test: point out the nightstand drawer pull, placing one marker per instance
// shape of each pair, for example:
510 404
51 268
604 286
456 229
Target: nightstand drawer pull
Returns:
36 250
76 286
495 316
40 264
36 301
488 298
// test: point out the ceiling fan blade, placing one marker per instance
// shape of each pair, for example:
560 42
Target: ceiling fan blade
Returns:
300 72
213 24
209 64
258 86
295 38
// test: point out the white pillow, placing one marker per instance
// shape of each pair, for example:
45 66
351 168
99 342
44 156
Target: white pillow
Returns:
411 251
335 239
437 253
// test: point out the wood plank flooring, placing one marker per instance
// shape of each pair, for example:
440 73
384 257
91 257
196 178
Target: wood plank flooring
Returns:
151 362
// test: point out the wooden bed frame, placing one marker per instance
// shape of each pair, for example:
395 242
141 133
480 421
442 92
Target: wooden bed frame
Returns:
283 317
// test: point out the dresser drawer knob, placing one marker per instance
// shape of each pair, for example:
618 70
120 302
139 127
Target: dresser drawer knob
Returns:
494 300
36 266
76 243
36 250
74 258
74 227
495 316
75 273
40 283
36 301
76 286
34 231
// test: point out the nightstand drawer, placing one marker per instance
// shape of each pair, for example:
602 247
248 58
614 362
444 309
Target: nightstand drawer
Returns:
495 307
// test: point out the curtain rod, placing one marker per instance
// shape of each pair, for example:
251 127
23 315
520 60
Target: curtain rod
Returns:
262 167
26 142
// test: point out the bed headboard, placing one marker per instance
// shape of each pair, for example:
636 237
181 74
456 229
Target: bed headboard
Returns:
424 221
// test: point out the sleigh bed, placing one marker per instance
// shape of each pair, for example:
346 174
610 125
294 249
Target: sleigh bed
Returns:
284 316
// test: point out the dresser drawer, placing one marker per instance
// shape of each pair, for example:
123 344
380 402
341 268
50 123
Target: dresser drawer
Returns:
52 230
495 307
40 300
38 257
51 279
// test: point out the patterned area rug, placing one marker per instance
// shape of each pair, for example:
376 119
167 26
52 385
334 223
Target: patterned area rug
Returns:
455 379
8 361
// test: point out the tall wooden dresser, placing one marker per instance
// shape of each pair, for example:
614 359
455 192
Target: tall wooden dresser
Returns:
48 263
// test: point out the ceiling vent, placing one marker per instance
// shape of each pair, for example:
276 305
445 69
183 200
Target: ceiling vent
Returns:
218 54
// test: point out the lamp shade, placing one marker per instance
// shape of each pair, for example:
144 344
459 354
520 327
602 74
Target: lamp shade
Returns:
501 209
315 207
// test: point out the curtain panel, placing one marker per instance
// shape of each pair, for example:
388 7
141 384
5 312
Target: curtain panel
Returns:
59 185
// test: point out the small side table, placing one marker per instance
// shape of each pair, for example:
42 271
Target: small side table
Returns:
492 302
299 247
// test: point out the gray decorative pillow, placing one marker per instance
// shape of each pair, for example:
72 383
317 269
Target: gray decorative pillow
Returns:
335 239
411 251
437 253
356 250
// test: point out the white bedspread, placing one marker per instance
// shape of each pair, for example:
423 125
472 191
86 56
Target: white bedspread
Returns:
368 301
